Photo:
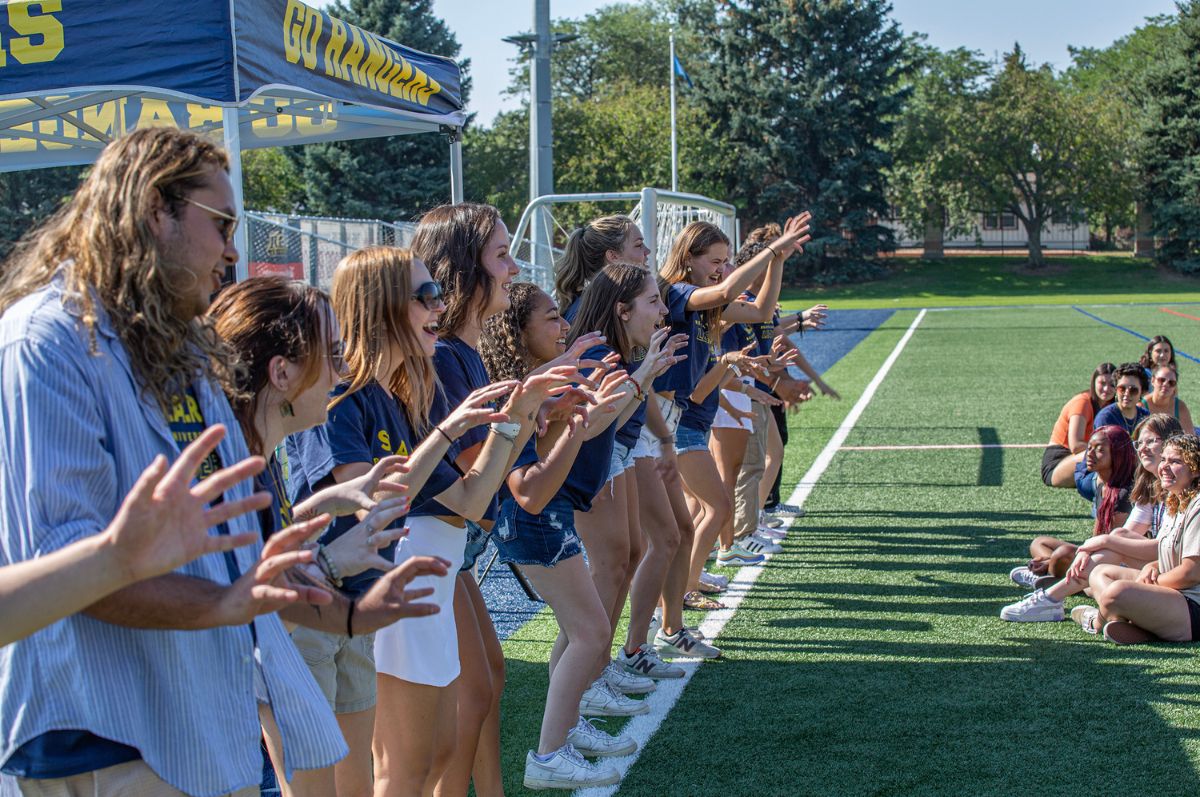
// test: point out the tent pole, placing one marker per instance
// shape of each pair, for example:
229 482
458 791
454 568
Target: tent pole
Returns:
233 146
456 169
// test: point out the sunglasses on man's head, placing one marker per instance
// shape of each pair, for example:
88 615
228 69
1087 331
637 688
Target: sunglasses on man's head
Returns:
429 294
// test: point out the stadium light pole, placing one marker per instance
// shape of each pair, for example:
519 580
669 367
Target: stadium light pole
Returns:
539 45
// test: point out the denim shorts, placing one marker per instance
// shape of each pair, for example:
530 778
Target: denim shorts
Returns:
622 460
477 540
648 445
689 439
543 540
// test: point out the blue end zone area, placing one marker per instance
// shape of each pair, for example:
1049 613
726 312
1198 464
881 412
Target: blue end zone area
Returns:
510 608
844 329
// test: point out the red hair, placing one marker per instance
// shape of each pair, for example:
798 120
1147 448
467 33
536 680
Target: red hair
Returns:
1120 474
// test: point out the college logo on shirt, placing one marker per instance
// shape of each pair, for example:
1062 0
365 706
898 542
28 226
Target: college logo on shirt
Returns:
385 443
187 423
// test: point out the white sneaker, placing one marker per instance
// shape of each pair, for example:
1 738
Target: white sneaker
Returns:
1023 577
1087 617
1037 607
566 769
647 662
771 522
682 643
600 700
655 624
590 740
738 555
712 579
768 545
625 682
774 535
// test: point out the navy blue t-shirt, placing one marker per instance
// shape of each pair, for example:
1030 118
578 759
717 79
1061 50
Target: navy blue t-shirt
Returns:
573 310
701 415
273 480
766 336
683 376
461 371
366 426
1111 416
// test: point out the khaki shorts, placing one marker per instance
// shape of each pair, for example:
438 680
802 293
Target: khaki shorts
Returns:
344 668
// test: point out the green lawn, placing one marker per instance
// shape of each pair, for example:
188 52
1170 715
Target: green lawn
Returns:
997 280
869 658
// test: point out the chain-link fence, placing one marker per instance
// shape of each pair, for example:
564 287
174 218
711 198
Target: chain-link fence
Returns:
309 247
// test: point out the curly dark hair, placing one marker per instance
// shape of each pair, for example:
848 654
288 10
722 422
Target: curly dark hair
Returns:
501 346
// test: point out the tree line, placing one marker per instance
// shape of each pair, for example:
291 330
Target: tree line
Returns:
823 104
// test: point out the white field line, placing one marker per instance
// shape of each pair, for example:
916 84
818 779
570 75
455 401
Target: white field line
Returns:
945 447
663 699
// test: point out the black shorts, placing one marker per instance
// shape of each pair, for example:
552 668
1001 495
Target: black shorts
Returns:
1053 455
1194 616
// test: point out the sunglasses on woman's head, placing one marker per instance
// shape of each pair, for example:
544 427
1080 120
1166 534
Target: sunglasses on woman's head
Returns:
429 294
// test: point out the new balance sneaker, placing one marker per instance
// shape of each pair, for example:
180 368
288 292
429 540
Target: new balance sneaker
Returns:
566 769
767 544
587 739
682 643
1087 617
1037 607
655 624
712 579
601 700
738 555
1023 577
785 511
627 683
646 661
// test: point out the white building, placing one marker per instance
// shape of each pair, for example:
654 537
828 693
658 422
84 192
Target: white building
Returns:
1001 231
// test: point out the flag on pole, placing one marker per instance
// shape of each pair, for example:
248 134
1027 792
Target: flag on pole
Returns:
679 70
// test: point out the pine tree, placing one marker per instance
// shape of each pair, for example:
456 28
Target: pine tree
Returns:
1171 147
801 94
391 178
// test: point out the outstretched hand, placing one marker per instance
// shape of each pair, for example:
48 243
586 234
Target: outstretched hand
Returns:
163 522
354 495
388 601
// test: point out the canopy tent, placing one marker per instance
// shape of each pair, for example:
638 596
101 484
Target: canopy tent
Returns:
265 72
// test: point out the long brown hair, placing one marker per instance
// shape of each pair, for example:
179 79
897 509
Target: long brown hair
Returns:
451 239
1145 483
114 260
372 294
618 283
501 346
694 241
585 254
266 317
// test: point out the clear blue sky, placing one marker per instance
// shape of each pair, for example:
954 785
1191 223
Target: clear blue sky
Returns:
1043 27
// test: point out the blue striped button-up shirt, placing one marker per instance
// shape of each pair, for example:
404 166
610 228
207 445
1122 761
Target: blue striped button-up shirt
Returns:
75 434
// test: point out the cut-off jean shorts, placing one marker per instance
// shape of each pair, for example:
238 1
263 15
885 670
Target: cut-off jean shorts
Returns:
648 445
622 460
689 439
543 540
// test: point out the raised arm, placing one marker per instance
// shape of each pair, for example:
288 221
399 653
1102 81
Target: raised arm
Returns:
795 234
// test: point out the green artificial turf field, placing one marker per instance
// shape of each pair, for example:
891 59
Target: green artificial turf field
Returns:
1005 280
869 658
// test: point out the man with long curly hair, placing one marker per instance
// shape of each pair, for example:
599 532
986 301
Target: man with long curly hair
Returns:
106 362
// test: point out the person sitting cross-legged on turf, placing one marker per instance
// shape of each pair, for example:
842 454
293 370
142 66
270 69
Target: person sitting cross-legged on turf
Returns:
1131 384
1131 545
1164 396
1162 600
1104 477
1074 427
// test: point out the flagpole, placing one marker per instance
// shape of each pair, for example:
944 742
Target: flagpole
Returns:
674 140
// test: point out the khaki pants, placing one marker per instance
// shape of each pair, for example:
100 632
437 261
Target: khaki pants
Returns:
745 494
131 779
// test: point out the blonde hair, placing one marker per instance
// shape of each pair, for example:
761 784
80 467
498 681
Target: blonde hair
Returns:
585 252
371 294
694 241
115 259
